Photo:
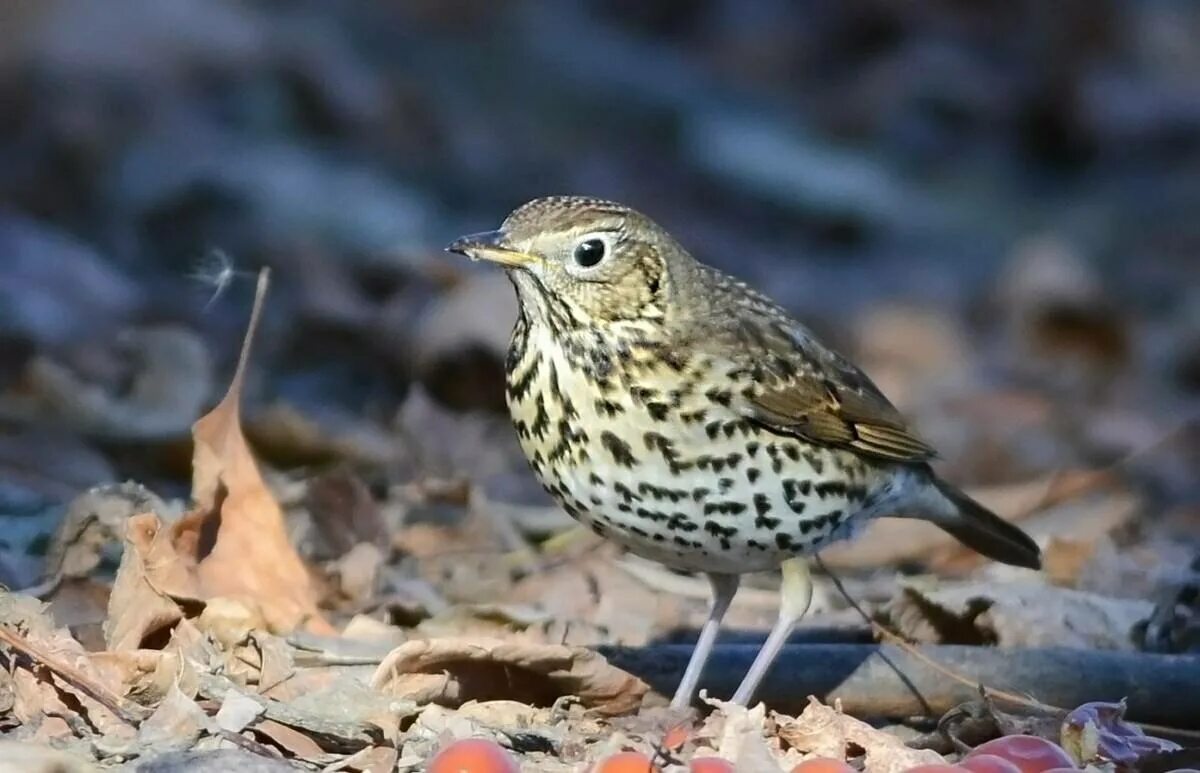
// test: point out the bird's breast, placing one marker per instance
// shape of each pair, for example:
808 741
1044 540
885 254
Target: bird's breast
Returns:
645 446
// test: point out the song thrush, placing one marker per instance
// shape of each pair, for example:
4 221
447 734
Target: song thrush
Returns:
680 413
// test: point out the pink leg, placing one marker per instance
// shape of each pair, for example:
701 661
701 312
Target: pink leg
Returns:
724 586
795 595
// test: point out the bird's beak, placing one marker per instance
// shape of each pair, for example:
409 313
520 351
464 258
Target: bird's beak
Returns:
493 246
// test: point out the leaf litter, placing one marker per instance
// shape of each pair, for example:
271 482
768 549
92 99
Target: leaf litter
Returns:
377 639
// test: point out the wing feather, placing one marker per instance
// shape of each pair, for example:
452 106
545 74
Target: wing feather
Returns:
806 390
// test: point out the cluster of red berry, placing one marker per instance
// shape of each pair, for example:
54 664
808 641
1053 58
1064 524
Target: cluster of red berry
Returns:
1010 754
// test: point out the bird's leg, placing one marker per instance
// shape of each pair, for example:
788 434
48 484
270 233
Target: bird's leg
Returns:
795 594
724 586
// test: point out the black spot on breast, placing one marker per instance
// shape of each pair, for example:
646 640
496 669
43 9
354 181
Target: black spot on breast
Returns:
658 411
625 492
752 474
618 449
721 397
830 488
642 394
541 420
606 407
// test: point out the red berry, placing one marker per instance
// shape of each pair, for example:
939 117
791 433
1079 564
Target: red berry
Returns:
935 767
823 765
710 765
473 755
1028 752
988 763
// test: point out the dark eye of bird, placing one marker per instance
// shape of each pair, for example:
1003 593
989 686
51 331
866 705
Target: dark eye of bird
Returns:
589 253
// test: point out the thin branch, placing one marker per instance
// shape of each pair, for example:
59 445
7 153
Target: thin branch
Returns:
131 713
903 677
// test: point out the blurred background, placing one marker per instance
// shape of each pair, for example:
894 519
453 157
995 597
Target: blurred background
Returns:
993 207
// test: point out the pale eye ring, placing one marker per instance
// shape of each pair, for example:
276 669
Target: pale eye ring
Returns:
590 252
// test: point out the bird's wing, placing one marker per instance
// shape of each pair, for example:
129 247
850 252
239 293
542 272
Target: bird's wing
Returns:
803 389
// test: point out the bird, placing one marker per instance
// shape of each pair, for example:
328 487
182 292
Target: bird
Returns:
689 418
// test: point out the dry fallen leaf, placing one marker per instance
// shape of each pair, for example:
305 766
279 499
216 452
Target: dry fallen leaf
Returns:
236 533
142 608
297 744
824 731
453 671
1015 615
742 735
56 687
94 520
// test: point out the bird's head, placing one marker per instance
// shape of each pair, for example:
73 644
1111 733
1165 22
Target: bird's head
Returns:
588 262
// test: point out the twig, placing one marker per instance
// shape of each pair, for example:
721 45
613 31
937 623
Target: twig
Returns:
903 677
898 640
990 692
249 744
129 712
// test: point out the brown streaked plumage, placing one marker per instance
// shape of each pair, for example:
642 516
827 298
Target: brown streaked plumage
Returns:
673 409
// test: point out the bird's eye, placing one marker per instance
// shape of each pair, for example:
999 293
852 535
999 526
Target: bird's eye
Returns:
589 252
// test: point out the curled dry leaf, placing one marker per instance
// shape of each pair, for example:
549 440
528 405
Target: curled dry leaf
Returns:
55 686
234 543
94 520
453 671
824 731
1097 734
1015 615
236 532
143 606
744 736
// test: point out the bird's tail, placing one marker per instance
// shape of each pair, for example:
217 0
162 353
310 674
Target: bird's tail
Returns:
983 531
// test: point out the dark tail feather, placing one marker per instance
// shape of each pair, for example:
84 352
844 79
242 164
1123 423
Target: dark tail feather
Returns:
985 532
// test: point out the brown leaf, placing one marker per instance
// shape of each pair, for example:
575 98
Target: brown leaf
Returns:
294 742
453 671
344 512
95 519
824 731
142 608
236 533
375 759
1016 615
55 684
742 735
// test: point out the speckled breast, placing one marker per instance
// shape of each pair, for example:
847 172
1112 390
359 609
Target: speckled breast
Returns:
640 446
